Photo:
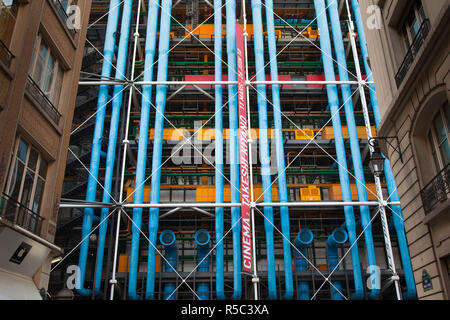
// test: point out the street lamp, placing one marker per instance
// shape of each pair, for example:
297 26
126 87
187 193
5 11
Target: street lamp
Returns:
376 161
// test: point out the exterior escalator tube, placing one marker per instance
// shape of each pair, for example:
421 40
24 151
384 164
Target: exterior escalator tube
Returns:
168 240
335 240
411 292
108 54
234 146
279 151
333 101
264 153
160 103
354 143
113 130
203 239
150 49
303 239
220 290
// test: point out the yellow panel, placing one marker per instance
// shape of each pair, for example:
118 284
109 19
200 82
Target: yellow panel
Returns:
328 133
304 134
310 194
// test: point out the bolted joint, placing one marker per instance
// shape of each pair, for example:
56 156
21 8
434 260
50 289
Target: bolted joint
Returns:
255 279
113 281
126 141
252 204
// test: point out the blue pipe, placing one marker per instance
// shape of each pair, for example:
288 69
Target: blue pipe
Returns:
354 142
411 292
203 239
264 145
279 150
160 102
220 291
168 240
150 48
303 239
108 53
113 130
333 99
335 240
234 147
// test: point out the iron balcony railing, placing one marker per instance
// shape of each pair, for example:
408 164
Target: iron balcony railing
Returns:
437 190
5 55
63 14
41 98
412 52
18 214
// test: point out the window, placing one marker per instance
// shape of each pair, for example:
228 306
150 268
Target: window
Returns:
27 176
46 72
439 137
413 23
8 14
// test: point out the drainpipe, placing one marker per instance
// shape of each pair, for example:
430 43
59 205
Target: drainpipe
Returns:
234 146
168 240
354 143
113 130
279 151
411 292
304 238
202 238
333 99
264 145
335 240
220 291
108 53
150 48
160 103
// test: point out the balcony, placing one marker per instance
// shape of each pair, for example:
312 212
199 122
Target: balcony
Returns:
437 190
5 55
42 99
412 52
20 215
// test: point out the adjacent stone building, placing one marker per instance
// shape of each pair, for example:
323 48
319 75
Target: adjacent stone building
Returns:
410 59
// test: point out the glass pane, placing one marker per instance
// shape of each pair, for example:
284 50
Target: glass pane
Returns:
439 127
16 180
49 76
23 149
177 195
38 196
164 195
32 161
27 188
43 168
447 114
40 64
190 196
445 152
57 89
433 151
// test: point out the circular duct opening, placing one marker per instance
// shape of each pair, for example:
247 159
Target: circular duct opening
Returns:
202 237
306 236
167 237
340 235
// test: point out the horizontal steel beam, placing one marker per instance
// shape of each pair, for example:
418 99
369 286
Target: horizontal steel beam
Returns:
200 83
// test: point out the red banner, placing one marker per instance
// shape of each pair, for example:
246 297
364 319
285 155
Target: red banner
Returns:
247 263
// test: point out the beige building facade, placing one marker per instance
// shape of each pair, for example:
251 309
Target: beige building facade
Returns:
41 53
410 58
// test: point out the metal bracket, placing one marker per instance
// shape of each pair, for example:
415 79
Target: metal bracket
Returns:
389 142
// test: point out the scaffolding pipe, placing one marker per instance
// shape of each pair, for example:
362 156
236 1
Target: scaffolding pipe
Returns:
108 53
160 102
335 240
303 239
234 146
354 143
202 238
168 240
279 151
150 48
112 141
264 153
220 291
411 292
333 98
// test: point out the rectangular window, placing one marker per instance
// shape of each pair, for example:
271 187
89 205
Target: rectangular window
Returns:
46 71
8 14
439 137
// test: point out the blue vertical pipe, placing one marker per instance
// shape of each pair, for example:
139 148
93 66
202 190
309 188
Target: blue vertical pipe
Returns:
168 240
203 239
113 129
354 142
150 48
234 146
220 291
333 100
335 240
160 103
279 150
303 239
108 53
264 154
411 292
